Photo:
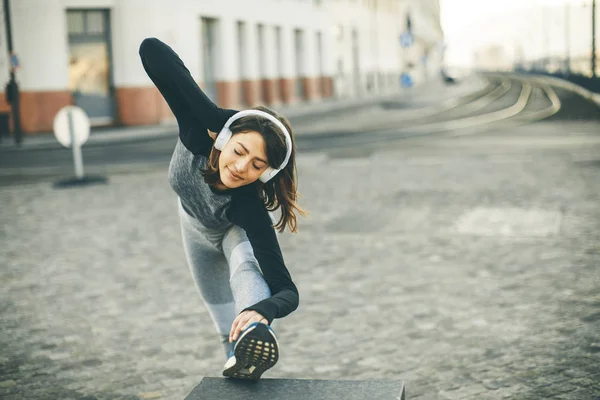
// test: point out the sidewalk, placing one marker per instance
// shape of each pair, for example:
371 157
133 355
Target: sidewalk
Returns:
425 95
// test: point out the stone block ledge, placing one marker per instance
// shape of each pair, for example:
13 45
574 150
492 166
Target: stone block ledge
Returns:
297 389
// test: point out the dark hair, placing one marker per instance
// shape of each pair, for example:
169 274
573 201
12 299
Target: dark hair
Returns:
281 190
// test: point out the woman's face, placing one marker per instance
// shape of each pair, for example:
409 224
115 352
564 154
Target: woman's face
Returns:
243 159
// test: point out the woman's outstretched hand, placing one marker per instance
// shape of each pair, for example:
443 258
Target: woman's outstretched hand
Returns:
243 321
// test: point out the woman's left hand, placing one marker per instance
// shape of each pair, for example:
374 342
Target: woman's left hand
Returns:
243 321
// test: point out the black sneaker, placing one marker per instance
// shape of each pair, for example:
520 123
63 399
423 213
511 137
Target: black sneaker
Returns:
255 351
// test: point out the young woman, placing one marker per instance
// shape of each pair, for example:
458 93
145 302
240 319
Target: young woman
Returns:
227 185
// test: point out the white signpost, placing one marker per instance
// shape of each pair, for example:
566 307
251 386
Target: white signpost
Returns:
72 129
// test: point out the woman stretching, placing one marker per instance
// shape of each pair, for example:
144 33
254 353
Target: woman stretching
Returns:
227 183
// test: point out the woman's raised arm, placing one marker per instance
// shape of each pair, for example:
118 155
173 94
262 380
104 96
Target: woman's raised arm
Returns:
192 108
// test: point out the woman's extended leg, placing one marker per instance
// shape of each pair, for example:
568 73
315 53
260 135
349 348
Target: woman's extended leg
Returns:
247 282
210 271
256 350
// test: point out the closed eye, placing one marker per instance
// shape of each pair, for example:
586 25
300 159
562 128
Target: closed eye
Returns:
239 153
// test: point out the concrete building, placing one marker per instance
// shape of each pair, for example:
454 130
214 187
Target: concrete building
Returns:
242 53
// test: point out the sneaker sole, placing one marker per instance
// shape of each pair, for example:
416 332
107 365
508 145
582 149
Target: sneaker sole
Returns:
255 352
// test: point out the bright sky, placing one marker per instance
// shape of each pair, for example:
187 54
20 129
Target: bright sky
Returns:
458 15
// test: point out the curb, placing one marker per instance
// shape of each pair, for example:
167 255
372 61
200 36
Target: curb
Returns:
99 139
137 134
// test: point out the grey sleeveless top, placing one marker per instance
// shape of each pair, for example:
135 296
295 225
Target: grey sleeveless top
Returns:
196 196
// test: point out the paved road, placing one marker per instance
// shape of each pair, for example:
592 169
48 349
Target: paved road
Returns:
466 266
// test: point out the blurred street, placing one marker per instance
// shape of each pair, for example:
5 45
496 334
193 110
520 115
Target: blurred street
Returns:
453 243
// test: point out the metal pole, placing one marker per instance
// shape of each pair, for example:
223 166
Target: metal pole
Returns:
76 148
13 86
593 38
546 15
567 38
542 61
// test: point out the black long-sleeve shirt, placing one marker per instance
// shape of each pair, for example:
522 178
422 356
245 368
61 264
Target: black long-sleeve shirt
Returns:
195 113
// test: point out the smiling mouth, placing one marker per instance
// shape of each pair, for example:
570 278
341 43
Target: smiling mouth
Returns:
233 174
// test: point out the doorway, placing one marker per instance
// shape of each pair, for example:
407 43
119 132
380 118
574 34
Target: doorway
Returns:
90 64
356 63
209 82
299 65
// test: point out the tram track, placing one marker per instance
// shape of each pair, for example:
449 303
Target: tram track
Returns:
470 119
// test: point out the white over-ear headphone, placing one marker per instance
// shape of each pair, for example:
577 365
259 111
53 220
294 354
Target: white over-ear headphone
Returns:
226 134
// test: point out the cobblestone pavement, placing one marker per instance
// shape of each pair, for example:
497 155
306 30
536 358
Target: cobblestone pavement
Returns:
467 267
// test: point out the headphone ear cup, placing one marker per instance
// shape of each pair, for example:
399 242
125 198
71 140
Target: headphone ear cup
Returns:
222 138
268 174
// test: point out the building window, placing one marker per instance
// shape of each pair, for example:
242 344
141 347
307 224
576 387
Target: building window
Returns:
75 22
95 22
88 22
